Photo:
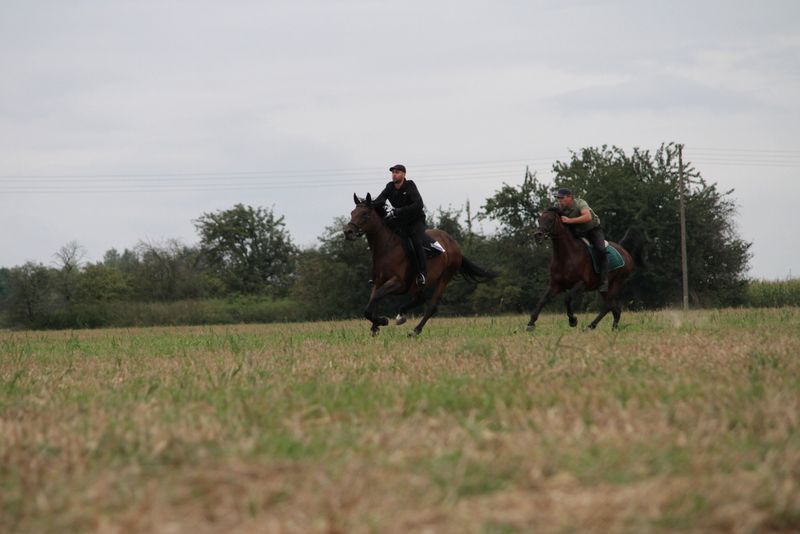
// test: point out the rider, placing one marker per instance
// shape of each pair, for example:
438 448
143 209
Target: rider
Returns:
408 212
585 223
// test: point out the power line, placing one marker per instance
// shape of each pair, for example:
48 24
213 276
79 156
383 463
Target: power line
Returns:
336 177
123 188
426 168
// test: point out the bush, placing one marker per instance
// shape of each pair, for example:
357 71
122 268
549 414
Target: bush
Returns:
179 313
773 293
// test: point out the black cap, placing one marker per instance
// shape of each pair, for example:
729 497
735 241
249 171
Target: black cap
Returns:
398 167
564 192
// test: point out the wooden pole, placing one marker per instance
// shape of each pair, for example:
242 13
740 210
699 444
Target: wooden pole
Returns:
684 261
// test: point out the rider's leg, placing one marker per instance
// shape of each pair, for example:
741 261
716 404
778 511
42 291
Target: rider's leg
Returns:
597 238
417 231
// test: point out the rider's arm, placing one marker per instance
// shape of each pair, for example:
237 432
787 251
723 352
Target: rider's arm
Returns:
381 199
416 205
585 217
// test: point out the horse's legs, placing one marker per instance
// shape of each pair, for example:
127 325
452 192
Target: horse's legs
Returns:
552 291
573 321
377 294
431 306
415 301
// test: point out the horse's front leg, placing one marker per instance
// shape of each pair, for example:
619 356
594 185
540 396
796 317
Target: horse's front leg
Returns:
552 291
573 321
377 294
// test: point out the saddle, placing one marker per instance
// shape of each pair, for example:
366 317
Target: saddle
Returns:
432 247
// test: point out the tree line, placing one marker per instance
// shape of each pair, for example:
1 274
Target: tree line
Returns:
246 267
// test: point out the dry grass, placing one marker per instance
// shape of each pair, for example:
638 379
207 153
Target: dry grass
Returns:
680 421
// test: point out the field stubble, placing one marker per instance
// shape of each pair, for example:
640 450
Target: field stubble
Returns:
679 421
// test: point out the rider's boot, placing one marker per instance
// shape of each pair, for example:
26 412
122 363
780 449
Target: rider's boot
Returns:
603 260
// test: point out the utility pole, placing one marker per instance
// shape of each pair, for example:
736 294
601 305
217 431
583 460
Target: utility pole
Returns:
684 261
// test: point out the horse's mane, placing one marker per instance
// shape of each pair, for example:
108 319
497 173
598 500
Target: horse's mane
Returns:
554 209
380 209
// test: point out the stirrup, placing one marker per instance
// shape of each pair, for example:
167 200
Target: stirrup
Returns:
421 279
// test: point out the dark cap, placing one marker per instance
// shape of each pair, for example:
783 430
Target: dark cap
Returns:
398 167
564 192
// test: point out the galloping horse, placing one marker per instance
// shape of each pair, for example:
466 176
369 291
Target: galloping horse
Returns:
571 268
394 274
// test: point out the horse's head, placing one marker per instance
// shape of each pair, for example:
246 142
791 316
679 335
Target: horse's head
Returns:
362 219
548 224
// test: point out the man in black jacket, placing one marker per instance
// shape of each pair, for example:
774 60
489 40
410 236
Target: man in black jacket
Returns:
408 212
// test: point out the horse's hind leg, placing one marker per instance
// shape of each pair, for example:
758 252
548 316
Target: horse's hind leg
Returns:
418 299
430 307
603 312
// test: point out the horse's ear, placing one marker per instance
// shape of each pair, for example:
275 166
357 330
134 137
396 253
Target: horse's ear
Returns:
355 199
369 199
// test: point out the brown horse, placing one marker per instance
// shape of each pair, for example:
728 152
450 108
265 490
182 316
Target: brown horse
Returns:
394 274
571 268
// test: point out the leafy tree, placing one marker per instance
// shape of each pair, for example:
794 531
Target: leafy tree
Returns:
249 249
99 283
29 293
517 208
170 271
4 274
126 262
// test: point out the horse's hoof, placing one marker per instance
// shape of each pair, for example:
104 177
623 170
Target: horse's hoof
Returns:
530 328
615 327
573 322
400 319
383 321
374 332
414 333
589 328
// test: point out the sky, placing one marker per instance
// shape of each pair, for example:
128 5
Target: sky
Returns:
125 121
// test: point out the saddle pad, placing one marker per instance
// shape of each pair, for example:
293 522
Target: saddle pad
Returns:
615 259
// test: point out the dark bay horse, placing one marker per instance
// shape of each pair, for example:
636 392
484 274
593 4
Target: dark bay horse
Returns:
394 274
571 268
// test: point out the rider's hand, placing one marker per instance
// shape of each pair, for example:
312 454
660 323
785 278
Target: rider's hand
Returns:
565 220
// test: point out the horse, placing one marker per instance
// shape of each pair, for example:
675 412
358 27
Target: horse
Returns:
394 274
571 268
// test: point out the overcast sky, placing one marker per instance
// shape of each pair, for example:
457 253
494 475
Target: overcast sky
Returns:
123 121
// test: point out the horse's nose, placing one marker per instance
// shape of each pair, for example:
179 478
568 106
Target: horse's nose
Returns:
348 233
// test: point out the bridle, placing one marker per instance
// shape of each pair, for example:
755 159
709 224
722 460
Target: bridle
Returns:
541 234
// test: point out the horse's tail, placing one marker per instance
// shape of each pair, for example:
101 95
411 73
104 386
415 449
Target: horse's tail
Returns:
633 242
474 273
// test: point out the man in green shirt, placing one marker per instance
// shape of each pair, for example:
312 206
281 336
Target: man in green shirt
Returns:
583 222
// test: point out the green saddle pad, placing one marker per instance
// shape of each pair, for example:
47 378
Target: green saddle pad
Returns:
615 259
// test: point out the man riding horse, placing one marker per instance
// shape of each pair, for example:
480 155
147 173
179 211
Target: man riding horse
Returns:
407 211
584 222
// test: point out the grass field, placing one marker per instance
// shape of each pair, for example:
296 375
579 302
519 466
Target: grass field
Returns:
680 421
